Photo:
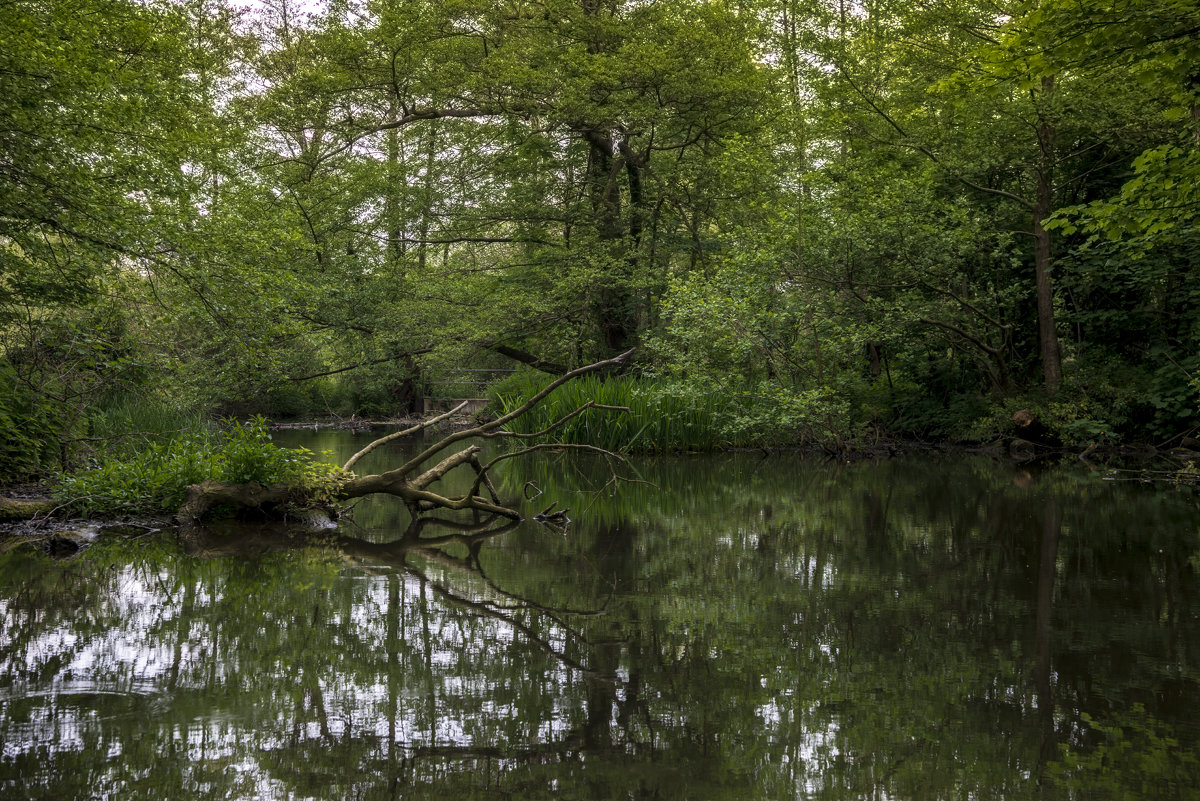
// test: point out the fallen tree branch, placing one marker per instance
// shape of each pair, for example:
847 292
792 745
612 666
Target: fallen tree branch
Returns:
400 434
484 429
405 482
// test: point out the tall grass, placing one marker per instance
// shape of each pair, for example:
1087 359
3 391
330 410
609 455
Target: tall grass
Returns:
128 423
662 416
700 415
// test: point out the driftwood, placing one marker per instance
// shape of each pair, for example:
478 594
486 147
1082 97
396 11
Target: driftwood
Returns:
411 481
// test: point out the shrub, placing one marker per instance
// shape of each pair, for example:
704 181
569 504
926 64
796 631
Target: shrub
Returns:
156 479
31 432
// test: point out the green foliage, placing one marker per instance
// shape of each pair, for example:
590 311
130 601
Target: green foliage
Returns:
123 424
155 479
1136 756
674 415
773 414
814 224
661 417
103 101
31 431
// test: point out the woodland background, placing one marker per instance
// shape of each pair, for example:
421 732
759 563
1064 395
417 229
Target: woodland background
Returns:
819 223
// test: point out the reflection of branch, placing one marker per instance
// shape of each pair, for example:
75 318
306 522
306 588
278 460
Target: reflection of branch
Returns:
545 446
528 604
258 539
482 529
499 613
204 543
616 478
531 753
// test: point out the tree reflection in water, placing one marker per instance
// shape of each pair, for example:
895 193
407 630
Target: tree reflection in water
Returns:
736 630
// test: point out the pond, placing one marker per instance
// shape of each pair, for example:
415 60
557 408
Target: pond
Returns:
729 626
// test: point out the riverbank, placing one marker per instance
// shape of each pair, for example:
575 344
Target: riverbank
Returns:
30 507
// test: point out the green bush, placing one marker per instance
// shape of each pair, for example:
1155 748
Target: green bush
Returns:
31 432
156 479
773 415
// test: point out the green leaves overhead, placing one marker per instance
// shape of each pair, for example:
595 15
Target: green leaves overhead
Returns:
99 107
897 204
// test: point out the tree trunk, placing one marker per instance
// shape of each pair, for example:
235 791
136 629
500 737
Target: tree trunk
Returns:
613 306
610 157
1042 258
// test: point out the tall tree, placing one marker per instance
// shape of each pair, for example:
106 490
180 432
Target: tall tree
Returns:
105 109
937 81
569 134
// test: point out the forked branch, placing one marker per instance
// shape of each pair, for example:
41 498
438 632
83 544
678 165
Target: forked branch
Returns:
412 480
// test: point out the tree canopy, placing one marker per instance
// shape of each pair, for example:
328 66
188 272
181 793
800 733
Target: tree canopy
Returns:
852 218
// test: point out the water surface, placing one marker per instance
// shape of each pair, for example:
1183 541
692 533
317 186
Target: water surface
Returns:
726 627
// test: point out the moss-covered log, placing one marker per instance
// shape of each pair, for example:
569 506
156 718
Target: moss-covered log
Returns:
203 497
14 509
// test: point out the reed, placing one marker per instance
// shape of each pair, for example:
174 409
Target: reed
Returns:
127 423
662 416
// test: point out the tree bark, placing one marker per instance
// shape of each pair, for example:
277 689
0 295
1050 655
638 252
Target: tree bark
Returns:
1042 257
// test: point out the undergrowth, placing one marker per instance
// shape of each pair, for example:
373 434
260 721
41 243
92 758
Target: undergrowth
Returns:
156 479
674 415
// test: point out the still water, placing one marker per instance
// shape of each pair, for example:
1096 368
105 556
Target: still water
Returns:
726 627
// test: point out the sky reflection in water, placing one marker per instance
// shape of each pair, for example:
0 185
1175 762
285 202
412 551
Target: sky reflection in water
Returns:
734 628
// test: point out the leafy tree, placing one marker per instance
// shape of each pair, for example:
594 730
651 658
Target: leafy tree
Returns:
545 151
105 106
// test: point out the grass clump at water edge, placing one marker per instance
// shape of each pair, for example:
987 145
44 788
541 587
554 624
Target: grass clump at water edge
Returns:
662 416
128 423
674 415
